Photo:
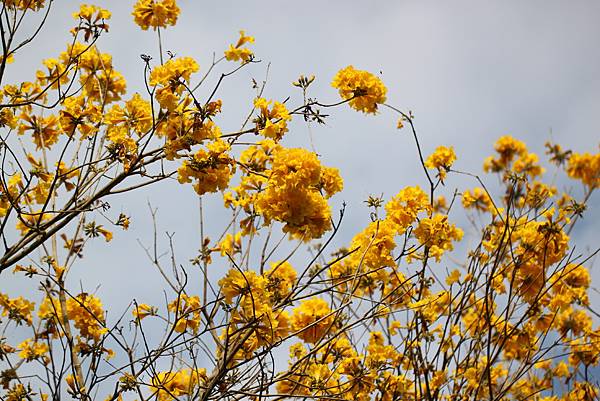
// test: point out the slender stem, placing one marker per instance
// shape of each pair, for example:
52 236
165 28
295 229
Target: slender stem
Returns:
160 49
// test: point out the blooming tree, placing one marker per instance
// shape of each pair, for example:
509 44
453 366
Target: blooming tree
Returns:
381 319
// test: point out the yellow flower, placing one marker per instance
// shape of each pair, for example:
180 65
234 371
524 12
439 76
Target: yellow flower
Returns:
143 310
211 169
441 160
402 209
188 312
561 369
87 314
34 5
31 220
477 199
44 130
586 168
136 116
437 234
175 385
168 76
155 13
91 20
528 164
313 319
17 309
231 244
31 350
364 90
237 52
453 277
237 283
292 196
281 278
507 148
271 123
331 181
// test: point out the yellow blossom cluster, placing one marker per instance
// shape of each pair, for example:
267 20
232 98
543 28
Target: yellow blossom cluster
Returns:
312 319
87 314
18 309
477 199
586 168
91 20
172 385
363 90
84 310
155 13
513 157
32 350
292 194
442 160
170 79
402 209
271 123
211 168
257 317
186 126
25 4
187 312
239 53
437 235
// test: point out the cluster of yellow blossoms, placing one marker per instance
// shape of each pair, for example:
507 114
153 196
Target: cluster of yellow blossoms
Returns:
441 160
370 264
211 168
172 385
271 123
24 4
296 193
155 13
363 89
84 310
586 168
258 318
238 52
170 78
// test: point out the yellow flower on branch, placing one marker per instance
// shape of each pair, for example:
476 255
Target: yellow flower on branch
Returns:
442 160
188 311
34 5
17 309
211 168
271 123
437 234
31 350
292 195
168 78
281 279
175 385
155 13
237 52
364 90
586 168
402 209
313 320
87 314
143 310
92 20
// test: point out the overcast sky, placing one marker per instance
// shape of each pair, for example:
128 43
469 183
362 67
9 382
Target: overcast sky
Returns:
471 71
